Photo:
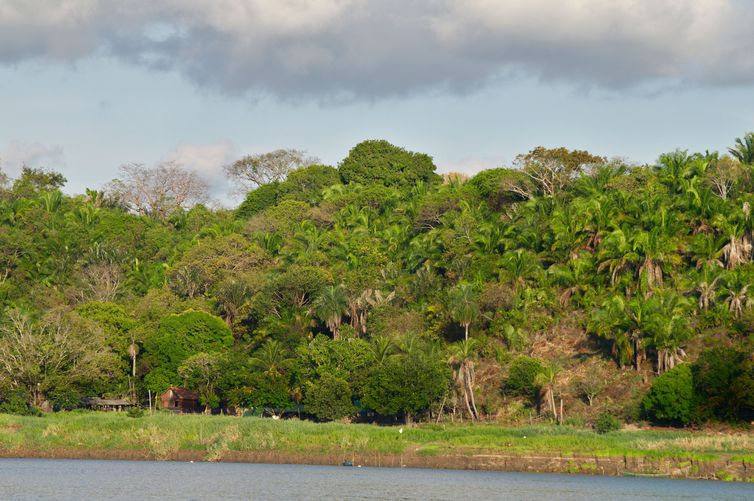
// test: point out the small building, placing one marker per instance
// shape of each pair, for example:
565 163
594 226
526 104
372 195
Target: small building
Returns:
107 404
180 400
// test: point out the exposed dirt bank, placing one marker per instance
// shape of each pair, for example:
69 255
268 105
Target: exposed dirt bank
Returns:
713 469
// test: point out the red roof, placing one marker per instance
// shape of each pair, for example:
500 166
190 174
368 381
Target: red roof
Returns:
184 393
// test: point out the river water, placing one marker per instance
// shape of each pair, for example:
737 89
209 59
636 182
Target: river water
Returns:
64 480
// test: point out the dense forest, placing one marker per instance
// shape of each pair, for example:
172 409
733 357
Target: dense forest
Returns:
567 288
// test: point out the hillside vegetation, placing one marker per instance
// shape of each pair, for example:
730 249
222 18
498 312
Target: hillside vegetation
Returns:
567 288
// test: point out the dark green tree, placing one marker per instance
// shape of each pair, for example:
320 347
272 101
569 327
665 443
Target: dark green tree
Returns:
378 161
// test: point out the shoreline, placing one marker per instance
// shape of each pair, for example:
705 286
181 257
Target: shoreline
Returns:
726 469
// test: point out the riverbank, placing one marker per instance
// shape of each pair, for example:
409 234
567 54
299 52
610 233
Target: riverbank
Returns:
677 454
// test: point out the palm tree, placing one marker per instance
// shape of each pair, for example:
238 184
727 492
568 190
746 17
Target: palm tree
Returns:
272 357
520 266
655 249
707 290
668 328
462 360
708 250
616 255
736 292
743 150
547 382
574 277
231 295
464 306
383 348
330 307
627 324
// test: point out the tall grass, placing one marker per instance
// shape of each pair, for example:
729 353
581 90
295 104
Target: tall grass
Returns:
164 434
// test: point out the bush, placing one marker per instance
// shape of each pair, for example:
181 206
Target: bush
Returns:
15 403
329 398
65 399
671 398
522 376
724 384
606 423
135 412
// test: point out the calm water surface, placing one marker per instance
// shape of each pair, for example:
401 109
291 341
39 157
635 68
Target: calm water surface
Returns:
40 479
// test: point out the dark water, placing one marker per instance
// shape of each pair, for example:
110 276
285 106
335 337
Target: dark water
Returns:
39 479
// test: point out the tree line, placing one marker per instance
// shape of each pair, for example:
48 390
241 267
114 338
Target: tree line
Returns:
564 286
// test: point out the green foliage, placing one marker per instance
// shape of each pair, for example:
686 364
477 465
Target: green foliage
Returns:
522 376
329 398
671 398
259 199
654 262
606 422
268 391
307 183
16 403
33 181
406 385
135 412
378 161
724 384
493 186
178 338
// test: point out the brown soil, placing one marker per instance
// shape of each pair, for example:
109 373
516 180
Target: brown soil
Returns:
718 469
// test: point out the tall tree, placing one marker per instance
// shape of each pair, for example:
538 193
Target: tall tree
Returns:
378 161
462 359
253 171
464 305
157 191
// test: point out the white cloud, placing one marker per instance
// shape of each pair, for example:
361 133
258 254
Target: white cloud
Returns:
470 166
34 154
377 48
208 161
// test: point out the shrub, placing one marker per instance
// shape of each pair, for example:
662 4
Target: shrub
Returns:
723 381
65 399
15 403
671 398
522 376
606 423
329 398
135 412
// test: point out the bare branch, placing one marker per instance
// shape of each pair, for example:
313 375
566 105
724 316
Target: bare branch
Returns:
157 191
253 171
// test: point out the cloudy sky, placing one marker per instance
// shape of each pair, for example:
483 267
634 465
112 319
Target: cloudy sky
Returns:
87 85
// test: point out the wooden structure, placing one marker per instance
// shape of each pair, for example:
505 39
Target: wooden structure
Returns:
107 404
180 400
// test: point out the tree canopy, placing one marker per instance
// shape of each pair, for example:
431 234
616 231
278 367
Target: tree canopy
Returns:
564 285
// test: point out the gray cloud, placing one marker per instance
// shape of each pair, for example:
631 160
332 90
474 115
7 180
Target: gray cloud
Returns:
333 49
16 154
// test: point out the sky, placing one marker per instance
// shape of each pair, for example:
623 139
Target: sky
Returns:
89 85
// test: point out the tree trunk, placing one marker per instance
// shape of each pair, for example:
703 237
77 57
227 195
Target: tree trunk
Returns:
469 391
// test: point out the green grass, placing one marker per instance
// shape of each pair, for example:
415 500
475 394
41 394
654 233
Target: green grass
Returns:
163 434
